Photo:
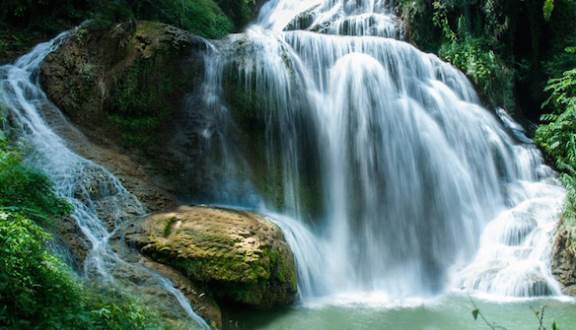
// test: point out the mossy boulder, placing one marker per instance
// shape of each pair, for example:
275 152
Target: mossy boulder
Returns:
128 89
124 83
240 256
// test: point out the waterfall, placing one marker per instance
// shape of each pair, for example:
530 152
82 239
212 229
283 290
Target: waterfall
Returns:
379 163
100 201
421 189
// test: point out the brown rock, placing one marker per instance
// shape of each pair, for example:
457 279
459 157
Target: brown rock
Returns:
240 256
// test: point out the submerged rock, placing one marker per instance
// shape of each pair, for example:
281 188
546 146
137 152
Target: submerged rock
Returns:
240 256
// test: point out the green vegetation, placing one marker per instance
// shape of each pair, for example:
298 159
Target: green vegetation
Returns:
26 191
508 48
25 23
139 102
37 290
202 17
558 137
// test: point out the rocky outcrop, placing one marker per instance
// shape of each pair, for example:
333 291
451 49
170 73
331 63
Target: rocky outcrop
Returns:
240 256
564 258
133 91
124 84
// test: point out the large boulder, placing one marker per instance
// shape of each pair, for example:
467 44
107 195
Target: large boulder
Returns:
127 83
240 256
132 90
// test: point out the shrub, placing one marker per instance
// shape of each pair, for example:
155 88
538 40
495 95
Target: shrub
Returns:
32 282
202 17
485 68
558 136
27 191
37 291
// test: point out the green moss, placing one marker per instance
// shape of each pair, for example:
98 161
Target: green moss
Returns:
264 279
142 99
168 227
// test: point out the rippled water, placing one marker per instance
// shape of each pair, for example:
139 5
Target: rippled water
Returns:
447 313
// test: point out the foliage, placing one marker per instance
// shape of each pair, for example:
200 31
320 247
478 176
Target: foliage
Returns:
37 291
475 56
202 17
32 282
25 23
488 72
516 45
561 46
558 136
239 11
26 191
548 9
440 19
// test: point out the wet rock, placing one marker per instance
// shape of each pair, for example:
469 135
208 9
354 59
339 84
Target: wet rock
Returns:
240 256
564 258
201 299
77 244
126 83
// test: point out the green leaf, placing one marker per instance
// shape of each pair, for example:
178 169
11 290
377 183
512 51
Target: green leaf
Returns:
548 9
475 313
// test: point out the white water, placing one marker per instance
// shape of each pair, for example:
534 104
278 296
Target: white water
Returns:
423 191
100 201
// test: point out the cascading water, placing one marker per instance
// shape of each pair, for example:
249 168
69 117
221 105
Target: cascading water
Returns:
417 189
100 201
421 189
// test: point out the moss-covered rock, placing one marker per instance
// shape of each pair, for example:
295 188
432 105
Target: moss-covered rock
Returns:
124 83
240 256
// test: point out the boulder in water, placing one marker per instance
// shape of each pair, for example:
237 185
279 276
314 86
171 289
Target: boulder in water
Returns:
240 256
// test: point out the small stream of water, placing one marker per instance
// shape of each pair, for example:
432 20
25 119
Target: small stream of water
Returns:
100 201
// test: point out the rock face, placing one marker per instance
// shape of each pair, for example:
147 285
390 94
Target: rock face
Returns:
136 91
124 83
202 301
564 258
240 256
